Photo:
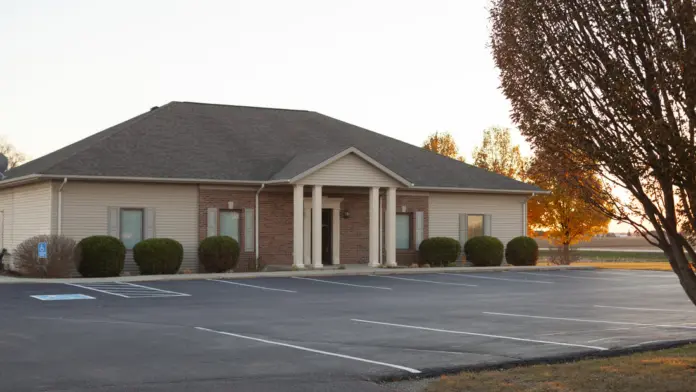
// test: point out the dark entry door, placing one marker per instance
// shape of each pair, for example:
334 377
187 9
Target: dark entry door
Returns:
326 236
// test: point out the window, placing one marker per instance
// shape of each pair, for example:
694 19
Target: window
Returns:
403 231
474 226
229 224
131 230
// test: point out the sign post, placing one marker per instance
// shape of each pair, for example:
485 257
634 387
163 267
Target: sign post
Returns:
43 250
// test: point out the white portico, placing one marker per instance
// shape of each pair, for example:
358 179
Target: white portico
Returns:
350 168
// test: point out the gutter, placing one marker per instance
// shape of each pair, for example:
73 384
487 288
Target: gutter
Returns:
60 206
256 228
34 177
482 190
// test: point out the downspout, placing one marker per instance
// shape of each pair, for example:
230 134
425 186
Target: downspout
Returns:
525 211
256 228
60 206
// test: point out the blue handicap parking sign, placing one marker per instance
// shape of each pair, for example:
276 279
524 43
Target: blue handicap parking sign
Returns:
43 250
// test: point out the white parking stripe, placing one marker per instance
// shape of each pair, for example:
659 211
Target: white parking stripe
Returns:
160 290
567 276
425 281
343 284
488 277
591 321
93 289
311 350
641 309
251 285
128 290
478 334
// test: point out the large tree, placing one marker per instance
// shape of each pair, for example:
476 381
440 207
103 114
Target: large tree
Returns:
443 143
564 215
609 87
499 155
14 157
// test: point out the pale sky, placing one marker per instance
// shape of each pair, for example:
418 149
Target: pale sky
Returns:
404 68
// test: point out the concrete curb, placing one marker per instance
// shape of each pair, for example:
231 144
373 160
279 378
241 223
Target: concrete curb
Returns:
433 373
286 274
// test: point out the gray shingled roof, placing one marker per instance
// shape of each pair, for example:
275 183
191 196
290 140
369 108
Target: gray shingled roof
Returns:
186 140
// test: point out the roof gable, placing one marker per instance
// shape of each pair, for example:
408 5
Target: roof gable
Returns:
350 167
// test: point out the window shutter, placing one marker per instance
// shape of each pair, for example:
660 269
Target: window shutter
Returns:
149 223
419 228
249 230
212 222
113 224
463 226
487 224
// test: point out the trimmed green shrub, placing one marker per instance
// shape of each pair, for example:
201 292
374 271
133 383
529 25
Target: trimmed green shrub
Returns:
439 251
100 256
157 256
522 251
484 251
218 254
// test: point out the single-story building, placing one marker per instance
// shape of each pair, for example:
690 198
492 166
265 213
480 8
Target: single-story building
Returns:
293 187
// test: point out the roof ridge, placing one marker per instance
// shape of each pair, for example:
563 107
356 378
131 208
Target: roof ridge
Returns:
144 116
239 106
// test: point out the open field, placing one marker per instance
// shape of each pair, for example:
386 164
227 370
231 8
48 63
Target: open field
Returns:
666 370
624 243
626 265
610 256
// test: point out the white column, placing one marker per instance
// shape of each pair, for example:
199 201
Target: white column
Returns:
298 229
336 236
316 226
390 240
307 237
373 260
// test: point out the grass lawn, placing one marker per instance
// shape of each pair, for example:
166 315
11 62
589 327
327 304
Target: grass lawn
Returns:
620 265
605 255
671 370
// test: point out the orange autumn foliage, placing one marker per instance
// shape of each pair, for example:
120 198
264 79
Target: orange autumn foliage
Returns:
564 216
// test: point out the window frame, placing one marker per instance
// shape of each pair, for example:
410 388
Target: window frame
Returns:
483 225
121 210
411 236
240 224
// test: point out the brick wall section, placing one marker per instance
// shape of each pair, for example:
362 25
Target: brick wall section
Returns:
219 198
275 228
413 203
276 224
355 230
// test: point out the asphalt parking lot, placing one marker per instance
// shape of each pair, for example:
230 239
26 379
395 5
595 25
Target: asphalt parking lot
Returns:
328 333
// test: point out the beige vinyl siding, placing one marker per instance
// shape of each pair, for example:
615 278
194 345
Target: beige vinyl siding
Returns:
26 212
351 170
505 210
85 212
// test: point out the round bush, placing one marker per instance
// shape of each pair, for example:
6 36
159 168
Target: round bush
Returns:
59 263
218 254
484 251
522 251
157 256
439 251
100 256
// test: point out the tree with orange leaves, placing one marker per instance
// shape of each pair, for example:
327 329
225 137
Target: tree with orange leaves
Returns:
443 143
498 154
564 215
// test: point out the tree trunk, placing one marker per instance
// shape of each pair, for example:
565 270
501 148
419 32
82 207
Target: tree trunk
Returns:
565 254
681 266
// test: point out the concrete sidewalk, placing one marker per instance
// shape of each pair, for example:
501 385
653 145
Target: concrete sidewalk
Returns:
352 270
